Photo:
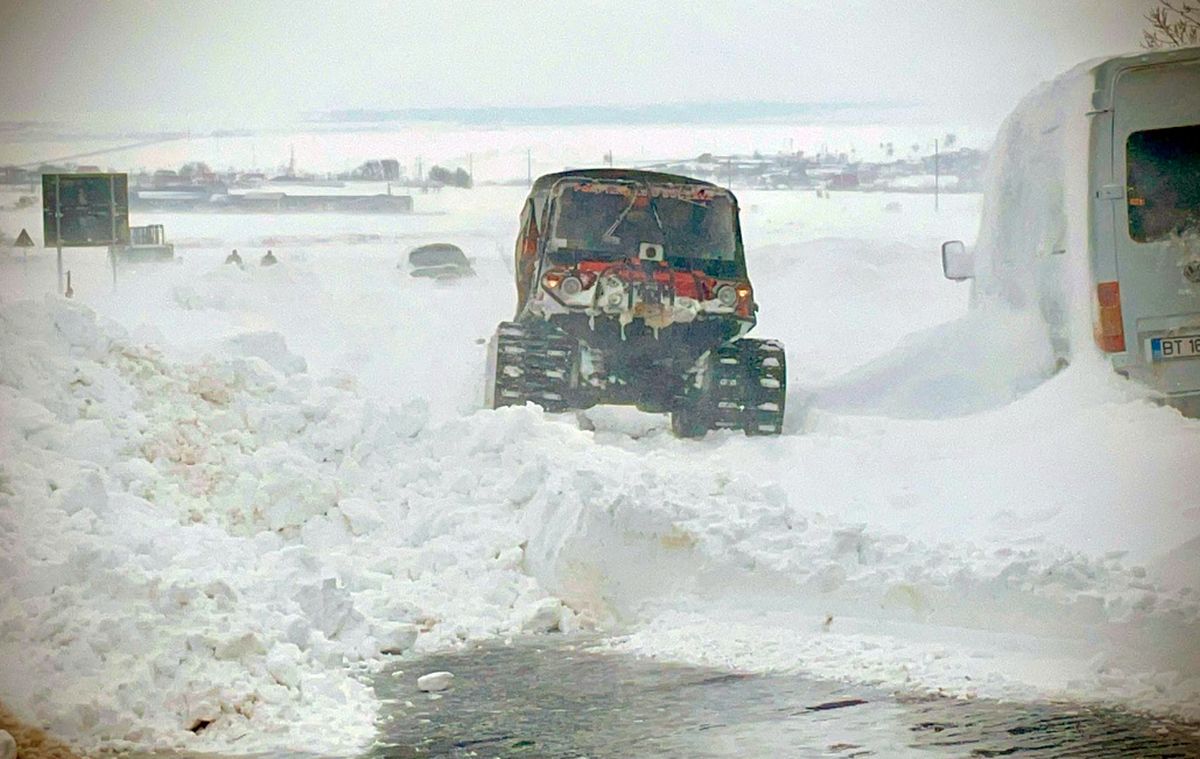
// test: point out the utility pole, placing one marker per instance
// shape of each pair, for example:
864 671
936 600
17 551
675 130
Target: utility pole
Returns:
937 174
471 167
529 167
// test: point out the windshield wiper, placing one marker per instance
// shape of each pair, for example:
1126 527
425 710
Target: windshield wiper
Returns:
608 236
666 243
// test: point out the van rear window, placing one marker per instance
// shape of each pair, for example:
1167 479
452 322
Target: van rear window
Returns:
1164 182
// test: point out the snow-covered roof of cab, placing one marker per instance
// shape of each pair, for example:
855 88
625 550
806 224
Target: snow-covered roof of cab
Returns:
1107 71
546 181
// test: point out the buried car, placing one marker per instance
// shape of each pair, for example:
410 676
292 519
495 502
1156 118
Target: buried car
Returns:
439 260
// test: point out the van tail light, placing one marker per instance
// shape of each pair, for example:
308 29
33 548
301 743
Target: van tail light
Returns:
1110 330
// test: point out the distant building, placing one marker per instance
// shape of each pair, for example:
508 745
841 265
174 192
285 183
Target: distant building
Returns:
845 180
17 175
385 170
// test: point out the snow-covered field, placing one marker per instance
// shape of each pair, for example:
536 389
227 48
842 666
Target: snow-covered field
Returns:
225 493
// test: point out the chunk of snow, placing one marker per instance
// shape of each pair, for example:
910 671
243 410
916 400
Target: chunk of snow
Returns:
85 493
397 638
238 647
328 606
283 662
361 515
271 348
435 681
546 616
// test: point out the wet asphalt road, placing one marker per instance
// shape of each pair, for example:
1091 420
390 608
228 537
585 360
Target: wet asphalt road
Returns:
554 697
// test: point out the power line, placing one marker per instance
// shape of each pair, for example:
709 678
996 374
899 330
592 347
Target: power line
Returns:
103 151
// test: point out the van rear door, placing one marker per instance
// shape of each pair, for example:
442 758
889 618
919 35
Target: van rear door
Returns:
1156 155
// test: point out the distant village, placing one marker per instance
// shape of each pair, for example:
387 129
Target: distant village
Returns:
197 187
959 169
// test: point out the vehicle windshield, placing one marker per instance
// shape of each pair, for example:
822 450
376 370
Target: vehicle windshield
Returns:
1164 183
693 223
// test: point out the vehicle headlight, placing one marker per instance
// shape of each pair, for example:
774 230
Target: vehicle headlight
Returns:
726 296
571 285
615 299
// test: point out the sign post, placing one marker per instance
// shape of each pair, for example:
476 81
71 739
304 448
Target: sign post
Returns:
84 210
112 215
57 231
24 242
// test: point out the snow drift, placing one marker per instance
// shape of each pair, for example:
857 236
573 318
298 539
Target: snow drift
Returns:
1031 303
208 554
195 554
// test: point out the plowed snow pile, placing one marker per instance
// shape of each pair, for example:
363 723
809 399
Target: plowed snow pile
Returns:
204 554
190 554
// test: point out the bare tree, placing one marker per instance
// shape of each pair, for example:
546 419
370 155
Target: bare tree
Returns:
1174 23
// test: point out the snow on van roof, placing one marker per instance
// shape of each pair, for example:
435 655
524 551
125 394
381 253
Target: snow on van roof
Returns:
1106 69
1031 250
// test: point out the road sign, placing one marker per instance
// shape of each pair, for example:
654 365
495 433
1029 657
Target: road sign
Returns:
85 210
24 240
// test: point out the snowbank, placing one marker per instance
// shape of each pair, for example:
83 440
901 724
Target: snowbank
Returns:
933 583
1031 295
839 303
206 555
984 360
193 555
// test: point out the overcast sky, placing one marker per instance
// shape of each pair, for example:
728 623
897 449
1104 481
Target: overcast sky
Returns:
185 59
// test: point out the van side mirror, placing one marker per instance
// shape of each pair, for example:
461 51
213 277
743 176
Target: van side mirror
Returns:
957 263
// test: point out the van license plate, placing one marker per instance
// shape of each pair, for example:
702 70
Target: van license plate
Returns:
1166 348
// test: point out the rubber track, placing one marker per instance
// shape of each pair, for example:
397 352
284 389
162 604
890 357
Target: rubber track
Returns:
533 365
749 386
765 392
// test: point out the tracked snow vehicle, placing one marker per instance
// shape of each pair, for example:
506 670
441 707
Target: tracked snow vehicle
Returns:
632 289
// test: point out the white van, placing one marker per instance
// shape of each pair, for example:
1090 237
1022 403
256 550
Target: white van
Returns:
1092 216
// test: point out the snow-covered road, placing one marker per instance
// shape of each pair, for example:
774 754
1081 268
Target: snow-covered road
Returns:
222 492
